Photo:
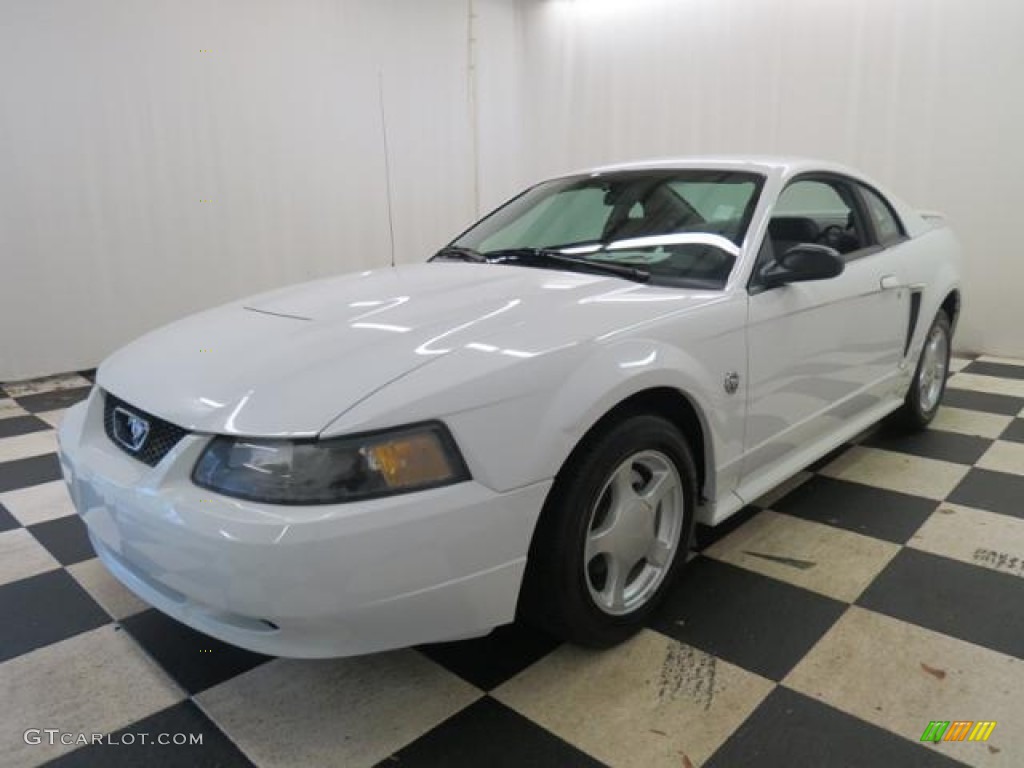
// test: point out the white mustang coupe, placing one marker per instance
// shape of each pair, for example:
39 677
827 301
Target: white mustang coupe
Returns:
529 424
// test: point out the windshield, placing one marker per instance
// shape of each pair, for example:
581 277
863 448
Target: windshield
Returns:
681 226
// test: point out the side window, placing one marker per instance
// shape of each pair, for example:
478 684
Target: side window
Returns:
817 211
887 226
816 199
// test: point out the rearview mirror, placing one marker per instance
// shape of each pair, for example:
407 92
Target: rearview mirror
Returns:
801 263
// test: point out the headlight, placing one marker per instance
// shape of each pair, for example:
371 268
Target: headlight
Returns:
331 471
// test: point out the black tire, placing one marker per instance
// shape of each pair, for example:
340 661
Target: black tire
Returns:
556 594
915 415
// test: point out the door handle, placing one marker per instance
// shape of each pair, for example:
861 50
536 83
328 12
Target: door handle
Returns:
888 282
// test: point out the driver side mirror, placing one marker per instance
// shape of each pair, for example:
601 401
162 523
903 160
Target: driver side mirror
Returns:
802 263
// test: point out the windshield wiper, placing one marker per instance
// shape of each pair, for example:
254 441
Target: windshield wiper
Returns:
458 253
548 257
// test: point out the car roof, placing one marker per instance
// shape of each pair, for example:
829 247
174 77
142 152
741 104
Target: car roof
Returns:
782 165
779 167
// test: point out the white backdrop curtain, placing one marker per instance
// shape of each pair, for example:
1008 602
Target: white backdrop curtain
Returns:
162 156
118 117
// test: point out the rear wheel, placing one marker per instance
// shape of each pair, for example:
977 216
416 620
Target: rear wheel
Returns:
929 383
613 532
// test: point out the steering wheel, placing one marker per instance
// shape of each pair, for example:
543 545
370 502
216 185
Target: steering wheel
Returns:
833 236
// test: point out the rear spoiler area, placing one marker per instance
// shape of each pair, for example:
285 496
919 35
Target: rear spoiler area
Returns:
933 219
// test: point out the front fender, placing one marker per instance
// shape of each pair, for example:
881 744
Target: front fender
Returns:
628 368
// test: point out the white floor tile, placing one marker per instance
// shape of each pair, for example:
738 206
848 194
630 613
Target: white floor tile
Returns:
649 703
22 556
95 682
53 418
9 409
112 596
992 385
900 677
38 503
930 478
346 712
1004 456
25 446
822 558
966 422
974 536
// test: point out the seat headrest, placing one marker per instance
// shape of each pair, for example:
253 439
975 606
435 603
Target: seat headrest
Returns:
794 229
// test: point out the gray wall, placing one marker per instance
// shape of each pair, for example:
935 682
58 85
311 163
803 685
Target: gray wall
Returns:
925 95
158 157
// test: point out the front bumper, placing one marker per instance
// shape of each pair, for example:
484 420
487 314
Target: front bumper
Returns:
313 581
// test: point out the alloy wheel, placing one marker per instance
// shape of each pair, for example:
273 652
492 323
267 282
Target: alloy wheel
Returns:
634 532
934 364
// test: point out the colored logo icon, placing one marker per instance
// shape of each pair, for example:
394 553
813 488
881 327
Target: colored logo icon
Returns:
958 730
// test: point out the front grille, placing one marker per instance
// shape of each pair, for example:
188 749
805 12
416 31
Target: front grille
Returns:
162 435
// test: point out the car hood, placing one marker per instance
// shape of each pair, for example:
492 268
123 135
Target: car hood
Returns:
287 363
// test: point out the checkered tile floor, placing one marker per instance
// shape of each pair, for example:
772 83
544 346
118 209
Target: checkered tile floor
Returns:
824 626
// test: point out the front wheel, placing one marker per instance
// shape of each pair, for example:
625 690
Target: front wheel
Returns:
613 532
929 383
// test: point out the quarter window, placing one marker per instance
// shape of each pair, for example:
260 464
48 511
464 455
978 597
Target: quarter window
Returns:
887 226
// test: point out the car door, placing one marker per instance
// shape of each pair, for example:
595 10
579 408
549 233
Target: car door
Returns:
822 355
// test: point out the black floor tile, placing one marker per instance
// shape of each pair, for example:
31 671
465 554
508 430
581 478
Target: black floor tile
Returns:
88 373
995 491
51 401
31 471
65 538
22 425
126 748
983 401
965 601
999 370
487 733
487 662
1014 432
931 444
7 521
856 507
789 729
759 623
44 609
196 661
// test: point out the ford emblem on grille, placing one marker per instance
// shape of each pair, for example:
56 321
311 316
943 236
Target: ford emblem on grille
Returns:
130 429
